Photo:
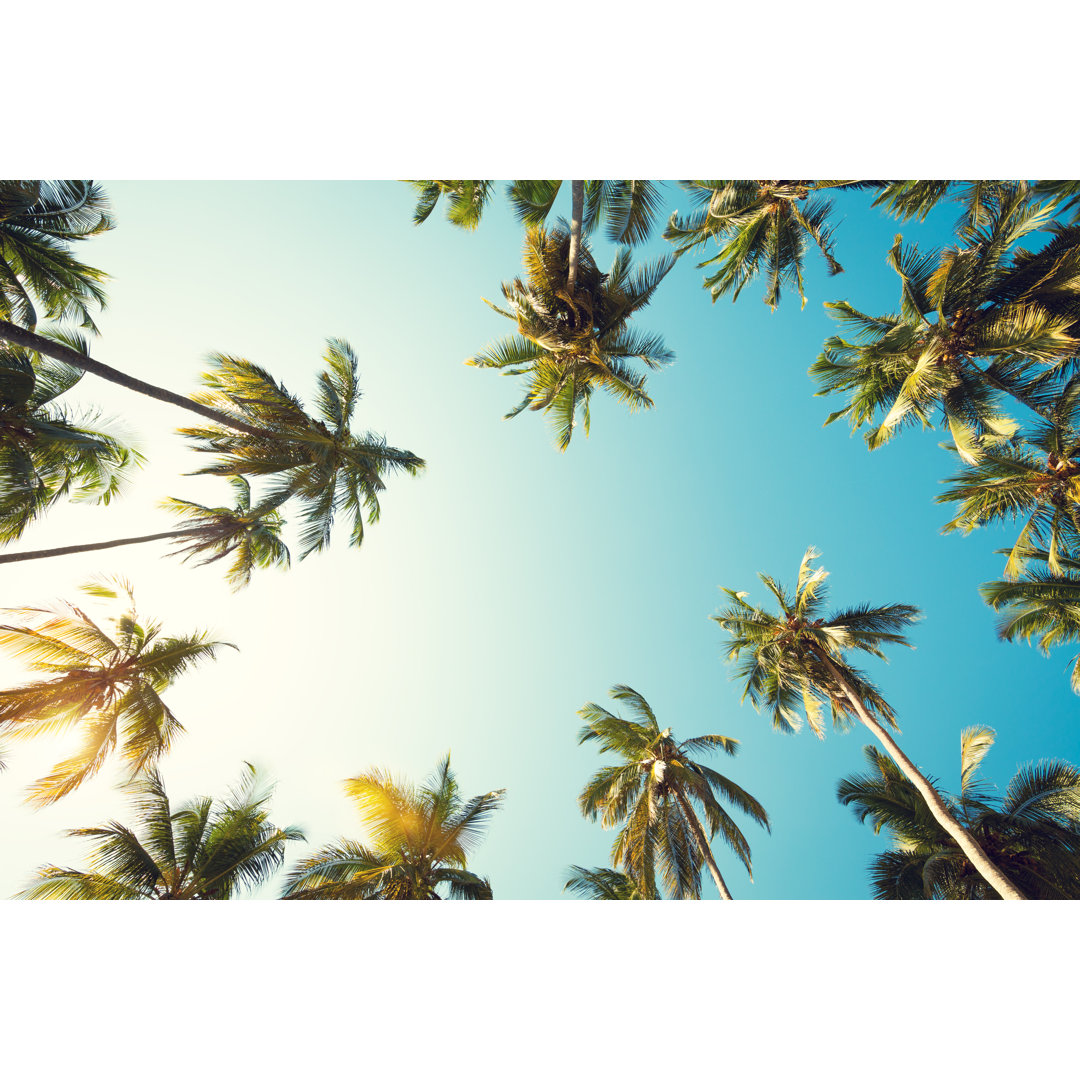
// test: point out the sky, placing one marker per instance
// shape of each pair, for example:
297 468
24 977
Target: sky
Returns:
509 584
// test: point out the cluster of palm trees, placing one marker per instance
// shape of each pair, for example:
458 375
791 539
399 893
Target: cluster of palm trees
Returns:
985 344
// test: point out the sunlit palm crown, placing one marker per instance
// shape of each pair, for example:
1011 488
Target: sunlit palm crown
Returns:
48 453
248 533
107 685
978 321
761 228
641 797
1037 476
570 346
779 656
420 840
1032 832
39 219
205 850
1042 606
319 461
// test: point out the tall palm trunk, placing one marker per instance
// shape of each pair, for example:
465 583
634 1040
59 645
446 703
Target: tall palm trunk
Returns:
48 553
967 843
702 843
16 334
577 212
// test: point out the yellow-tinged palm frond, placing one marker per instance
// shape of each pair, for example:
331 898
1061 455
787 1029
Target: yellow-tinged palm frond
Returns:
107 685
420 840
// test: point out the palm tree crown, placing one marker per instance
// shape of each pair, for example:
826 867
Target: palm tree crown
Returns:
46 452
205 850
107 686
1037 476
570 345
1032 832
975 322
321 462
781 657
761 227
39 219
420 841
248 533
651 796
796 659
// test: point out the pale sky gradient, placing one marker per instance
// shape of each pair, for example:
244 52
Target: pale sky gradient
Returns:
510 584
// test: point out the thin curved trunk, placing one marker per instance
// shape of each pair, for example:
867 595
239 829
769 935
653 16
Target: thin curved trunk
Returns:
48 553
702 843
967 843
577 212
28 340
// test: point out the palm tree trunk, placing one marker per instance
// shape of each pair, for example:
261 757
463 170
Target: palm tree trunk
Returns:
967 843
577 212
48 553
16 334
702 843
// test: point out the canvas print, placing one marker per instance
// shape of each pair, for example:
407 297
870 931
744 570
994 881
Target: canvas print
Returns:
540 539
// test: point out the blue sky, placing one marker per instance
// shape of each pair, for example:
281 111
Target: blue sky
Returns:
510 583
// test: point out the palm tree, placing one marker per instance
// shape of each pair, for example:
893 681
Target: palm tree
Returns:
601 883
976 322
202 851
46 452
761 226
794 661
39 219
1042 605
1032 833
465 200
249 533
420 841
652 795
1037 477
570 344
321 462
107 686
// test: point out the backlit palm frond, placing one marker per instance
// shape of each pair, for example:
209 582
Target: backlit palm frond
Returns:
420 839
39 220
108 685
206 850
